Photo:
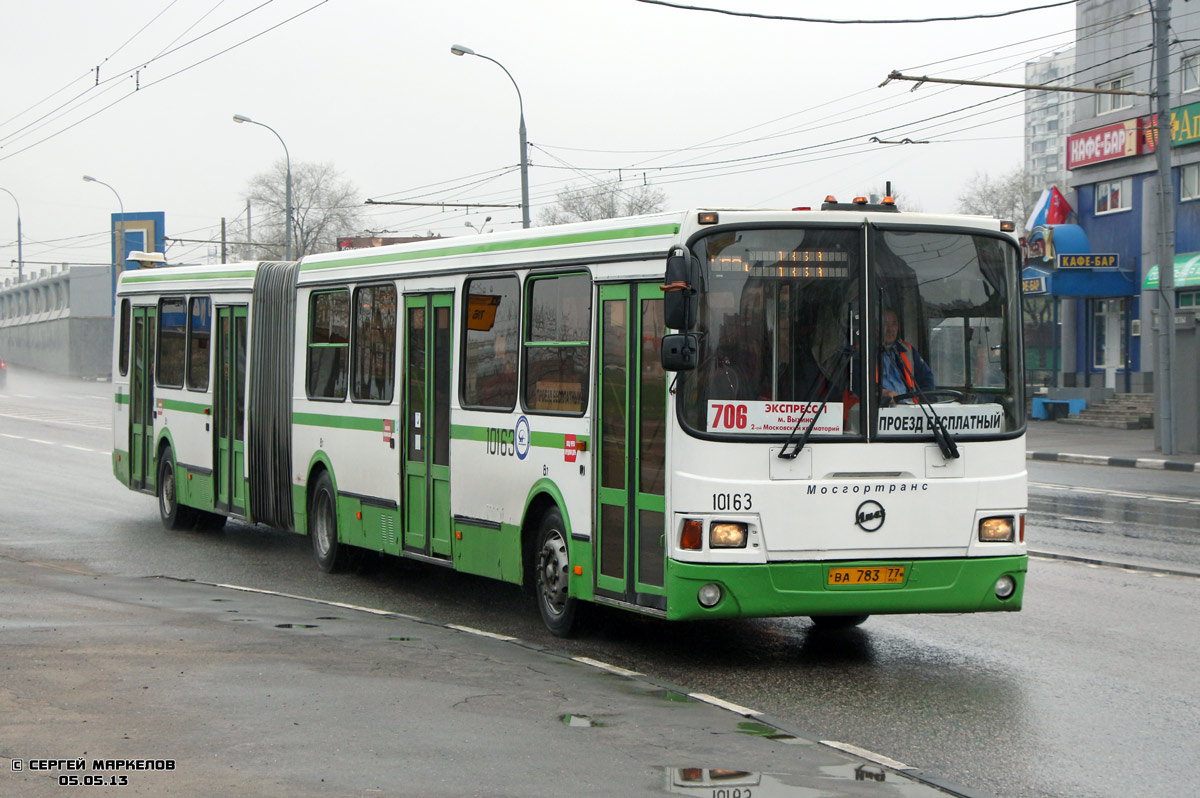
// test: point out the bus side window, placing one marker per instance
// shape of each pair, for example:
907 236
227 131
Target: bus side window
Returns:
172 342
374 349
124 356
199 335
328 344
557 328
490 343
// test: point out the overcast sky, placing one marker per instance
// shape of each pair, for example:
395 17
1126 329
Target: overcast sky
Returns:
688 101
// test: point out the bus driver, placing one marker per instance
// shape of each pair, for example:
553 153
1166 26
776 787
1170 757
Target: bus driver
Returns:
904 370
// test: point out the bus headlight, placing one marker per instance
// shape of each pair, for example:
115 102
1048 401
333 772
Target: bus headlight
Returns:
996 530
727 535
1005 587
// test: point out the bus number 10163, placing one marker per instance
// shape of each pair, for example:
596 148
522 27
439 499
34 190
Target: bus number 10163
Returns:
732 501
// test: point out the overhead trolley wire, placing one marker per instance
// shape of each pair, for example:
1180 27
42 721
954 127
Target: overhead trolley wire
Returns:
698 170
677 173
784 18
126 73
172 74
705 145
139 31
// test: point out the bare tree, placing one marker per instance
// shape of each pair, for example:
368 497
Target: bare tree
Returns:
605 200
325 205
1004 197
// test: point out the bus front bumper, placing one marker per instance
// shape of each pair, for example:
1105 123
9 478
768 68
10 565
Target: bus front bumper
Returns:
809 588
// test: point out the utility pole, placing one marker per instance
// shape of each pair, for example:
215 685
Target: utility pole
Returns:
224 251
20 254
1164 377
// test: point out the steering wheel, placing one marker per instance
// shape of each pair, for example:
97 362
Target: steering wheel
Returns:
720 378
938 396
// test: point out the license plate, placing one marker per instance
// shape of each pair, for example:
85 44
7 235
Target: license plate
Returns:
880 575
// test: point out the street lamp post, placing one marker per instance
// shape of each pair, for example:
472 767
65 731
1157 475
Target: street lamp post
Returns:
118 251
287 234
459 49
20 256
481 227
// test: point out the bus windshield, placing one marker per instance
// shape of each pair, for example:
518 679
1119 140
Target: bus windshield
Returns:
888 328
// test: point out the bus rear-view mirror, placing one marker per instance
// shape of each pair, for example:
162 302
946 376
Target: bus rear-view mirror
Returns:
681 299
680 351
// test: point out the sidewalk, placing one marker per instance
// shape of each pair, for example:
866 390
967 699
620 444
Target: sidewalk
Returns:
1075 443
189 689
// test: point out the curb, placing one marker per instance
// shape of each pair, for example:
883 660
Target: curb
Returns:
1124 462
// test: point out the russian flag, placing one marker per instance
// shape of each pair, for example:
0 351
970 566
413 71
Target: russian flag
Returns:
1038 217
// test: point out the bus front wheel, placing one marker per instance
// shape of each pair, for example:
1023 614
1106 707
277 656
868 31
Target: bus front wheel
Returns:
551 576
173 514
322 527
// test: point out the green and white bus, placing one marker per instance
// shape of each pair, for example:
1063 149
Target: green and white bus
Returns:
685 415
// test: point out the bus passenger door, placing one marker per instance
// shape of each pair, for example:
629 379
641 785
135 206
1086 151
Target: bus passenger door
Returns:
632 391
141 400
427 367
229 411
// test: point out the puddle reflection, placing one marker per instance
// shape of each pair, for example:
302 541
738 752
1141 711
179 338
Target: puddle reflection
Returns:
579 721
842 780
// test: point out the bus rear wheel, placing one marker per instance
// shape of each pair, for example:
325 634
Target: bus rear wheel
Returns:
322 527
551 579
831 622
173 514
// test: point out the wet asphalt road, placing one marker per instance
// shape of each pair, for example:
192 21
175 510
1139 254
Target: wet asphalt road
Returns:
1087 692
1126 515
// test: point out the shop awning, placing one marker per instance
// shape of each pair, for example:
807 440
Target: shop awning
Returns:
1046 242
1187 272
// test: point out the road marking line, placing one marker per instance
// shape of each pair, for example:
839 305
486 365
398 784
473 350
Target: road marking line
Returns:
473 631
1118 493
604 666
1092 562
45 420
341 604
870 756
717 702
53 443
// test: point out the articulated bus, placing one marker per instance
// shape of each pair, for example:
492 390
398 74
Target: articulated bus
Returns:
685 415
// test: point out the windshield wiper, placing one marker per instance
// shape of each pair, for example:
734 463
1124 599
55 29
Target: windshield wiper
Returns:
941 435
842 361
